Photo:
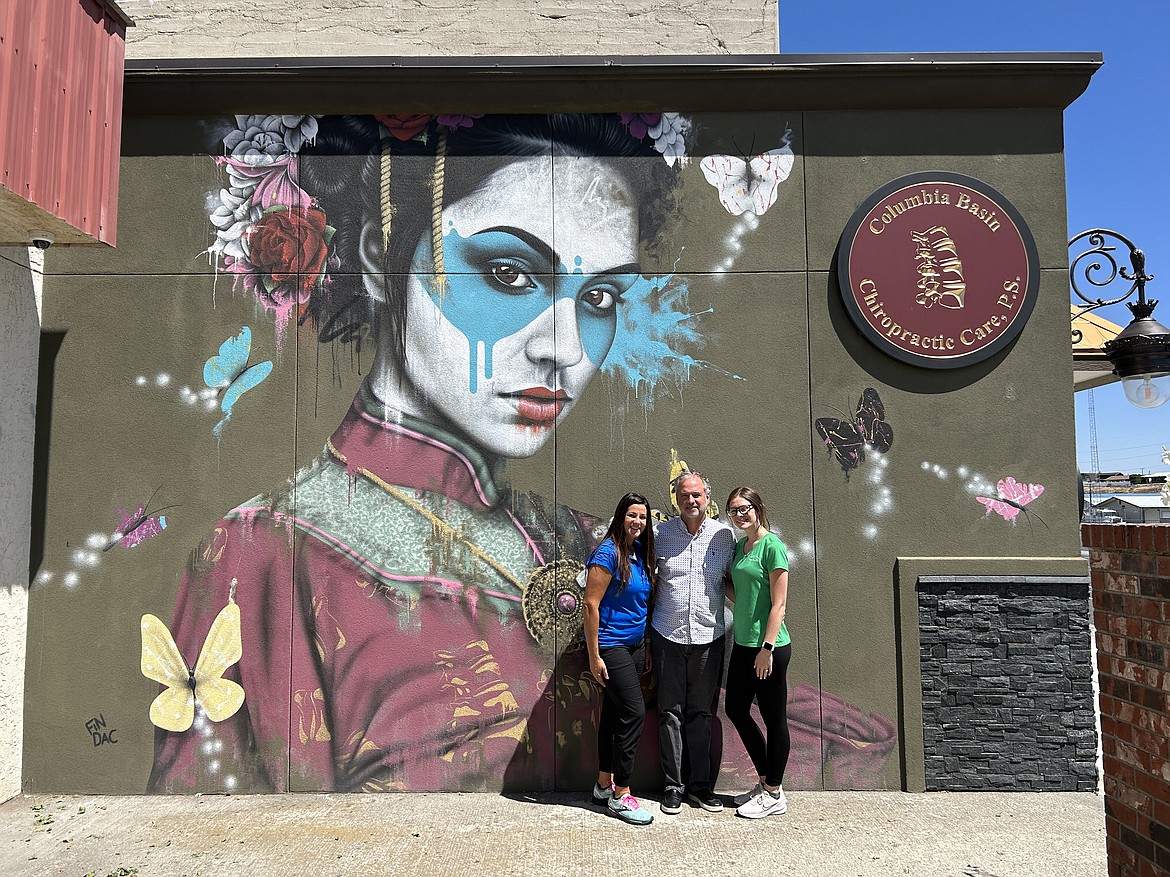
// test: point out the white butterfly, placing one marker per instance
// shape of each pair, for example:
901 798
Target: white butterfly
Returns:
751 184
174 708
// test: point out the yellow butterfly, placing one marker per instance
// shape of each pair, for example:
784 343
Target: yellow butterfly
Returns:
174 709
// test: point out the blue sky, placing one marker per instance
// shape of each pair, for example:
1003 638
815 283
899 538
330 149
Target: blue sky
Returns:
1115 137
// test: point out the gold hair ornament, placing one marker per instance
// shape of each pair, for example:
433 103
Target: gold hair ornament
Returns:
437 211
384 190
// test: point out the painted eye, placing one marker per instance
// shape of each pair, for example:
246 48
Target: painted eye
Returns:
510 276
601 298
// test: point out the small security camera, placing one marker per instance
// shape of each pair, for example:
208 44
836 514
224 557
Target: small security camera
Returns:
42 240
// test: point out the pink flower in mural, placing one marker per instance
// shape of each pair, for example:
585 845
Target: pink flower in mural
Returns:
456 121
288 250
405 126
268 185
638 124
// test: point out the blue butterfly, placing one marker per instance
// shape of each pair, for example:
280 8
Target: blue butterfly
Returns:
229 373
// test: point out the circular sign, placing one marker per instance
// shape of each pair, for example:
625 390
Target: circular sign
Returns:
938 270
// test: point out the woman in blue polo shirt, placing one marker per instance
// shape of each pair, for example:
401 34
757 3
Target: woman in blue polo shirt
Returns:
617 602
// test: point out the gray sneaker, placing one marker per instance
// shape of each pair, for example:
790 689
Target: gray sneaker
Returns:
601 796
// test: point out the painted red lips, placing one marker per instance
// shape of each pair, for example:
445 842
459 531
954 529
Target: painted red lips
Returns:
540 406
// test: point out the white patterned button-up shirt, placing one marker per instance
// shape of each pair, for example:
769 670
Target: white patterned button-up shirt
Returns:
688 605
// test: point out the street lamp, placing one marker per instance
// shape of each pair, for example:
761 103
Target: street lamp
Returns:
1140 354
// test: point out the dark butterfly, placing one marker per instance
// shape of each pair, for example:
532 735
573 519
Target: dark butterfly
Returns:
847 440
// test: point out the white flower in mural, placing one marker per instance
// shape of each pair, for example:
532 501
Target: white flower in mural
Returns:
231 219
257 139
298 130
669 135
750 184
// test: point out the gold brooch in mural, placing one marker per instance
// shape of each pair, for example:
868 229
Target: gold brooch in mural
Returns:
554 605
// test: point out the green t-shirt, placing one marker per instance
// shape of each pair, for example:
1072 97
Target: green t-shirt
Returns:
751 575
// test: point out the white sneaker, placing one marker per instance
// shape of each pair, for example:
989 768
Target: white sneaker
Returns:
763 804
740 800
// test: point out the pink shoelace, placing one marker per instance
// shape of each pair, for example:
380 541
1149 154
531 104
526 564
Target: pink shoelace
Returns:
630 801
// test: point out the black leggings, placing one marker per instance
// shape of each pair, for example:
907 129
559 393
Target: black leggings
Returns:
622 711
743 686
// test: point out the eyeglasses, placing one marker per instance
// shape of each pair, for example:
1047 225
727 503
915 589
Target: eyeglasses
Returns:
740 510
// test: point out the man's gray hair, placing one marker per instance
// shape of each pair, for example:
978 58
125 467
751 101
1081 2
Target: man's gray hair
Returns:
691 474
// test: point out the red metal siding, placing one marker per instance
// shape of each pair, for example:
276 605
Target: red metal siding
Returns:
61 65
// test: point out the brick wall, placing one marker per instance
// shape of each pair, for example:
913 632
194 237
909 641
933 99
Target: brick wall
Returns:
1131 599
1007 693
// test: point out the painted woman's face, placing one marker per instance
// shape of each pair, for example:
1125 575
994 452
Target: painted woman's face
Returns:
506 340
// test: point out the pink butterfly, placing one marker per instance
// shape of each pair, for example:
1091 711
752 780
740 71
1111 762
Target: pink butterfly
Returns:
136 528
139 527
1011 499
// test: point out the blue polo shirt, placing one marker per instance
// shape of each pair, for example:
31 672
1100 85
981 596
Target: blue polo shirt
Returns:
624 611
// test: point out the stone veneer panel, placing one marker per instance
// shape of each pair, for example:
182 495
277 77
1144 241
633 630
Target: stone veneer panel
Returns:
1007 699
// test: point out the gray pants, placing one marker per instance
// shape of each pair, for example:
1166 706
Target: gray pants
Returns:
688 686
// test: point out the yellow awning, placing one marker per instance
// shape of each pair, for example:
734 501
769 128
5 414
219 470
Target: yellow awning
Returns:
1091 368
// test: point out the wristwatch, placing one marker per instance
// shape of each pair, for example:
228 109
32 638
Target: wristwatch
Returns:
768 646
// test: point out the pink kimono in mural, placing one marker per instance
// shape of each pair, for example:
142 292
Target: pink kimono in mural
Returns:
407 621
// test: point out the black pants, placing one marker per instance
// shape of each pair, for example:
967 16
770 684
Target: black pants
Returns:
770 756
622 711
688 695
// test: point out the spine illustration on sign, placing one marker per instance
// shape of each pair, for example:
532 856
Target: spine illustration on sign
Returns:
940 272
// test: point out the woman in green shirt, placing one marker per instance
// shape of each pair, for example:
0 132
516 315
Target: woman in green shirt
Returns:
759 658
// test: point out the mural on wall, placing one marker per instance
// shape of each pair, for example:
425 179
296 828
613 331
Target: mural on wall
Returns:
408 643
396 615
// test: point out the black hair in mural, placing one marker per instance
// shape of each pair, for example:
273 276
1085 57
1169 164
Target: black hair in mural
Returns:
343 169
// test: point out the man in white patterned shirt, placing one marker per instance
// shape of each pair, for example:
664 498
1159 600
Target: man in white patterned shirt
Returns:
687 640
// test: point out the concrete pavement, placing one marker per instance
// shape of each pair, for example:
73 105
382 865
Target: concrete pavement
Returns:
481 835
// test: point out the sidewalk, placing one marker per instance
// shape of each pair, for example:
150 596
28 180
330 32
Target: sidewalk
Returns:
481 835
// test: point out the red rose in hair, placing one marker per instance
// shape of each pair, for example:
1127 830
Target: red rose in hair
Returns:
288 248
404 127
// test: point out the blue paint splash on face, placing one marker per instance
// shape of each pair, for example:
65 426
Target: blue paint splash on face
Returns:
497 284
656 327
